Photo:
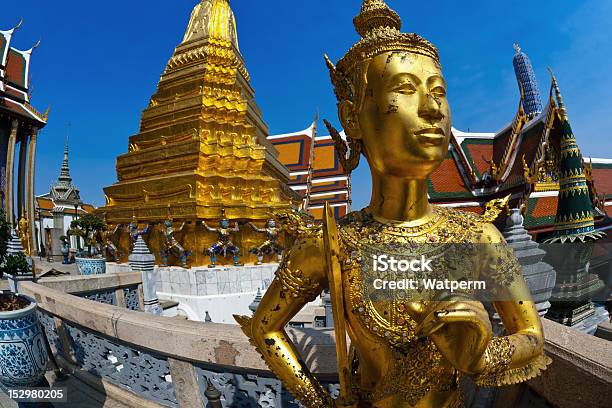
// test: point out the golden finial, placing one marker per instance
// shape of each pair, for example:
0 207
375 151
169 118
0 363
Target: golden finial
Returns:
46 114
376 14
558 97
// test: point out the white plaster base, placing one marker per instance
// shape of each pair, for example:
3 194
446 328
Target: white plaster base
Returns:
113 267
219 307
222 291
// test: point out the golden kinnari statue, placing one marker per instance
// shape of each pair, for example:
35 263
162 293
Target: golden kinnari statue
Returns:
404 351
201 147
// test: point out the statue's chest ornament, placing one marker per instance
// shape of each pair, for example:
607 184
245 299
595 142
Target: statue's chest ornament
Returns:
377 254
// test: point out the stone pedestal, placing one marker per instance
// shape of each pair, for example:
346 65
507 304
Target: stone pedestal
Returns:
575 287
142 260
540 276
222 291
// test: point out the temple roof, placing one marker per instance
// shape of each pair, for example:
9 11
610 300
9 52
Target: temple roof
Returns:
63 190
15 80
45 205
328 181
523 160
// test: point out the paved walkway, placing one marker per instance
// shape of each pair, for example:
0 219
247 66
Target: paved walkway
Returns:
80 395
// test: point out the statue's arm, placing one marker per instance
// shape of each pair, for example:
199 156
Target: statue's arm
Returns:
208 227
519 355
299 279
256 228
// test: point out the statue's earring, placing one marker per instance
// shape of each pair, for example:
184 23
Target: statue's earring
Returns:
348 151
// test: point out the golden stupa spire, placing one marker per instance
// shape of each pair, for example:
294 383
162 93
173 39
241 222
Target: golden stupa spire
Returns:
201 146
213 19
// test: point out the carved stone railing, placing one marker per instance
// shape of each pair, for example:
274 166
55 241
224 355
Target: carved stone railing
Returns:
123 289
152 361
581 372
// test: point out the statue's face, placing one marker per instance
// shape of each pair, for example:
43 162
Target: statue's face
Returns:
271 223
224 223
133 225
168 223
404 121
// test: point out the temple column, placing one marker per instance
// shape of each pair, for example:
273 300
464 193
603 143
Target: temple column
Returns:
30 204
4 136
10 171
21 177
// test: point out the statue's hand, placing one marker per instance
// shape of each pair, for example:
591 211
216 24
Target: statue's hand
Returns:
461 331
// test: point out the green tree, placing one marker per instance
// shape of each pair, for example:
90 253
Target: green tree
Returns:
86 227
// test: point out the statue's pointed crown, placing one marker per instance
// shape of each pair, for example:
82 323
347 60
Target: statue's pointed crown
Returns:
379 27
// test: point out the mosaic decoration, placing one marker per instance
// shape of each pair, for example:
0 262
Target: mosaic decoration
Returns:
91 266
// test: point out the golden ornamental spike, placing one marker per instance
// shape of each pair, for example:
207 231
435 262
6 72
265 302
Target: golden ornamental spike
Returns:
558 96
494 208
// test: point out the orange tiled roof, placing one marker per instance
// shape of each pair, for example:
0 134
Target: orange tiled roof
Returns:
88 208
44 203
447 179
480 154
545 207
603 180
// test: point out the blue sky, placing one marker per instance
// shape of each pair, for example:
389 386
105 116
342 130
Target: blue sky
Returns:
98 64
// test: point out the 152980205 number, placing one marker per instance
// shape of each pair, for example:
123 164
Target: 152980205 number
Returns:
38 394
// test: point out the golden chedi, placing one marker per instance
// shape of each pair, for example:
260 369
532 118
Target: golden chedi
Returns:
408 348
202 145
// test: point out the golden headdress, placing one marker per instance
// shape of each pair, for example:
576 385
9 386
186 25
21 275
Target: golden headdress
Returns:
379 27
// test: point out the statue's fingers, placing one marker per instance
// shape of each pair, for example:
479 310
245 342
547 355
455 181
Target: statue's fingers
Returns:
456 315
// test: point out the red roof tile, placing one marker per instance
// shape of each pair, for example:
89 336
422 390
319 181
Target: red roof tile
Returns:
447 178
603 181
480 154
545 207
